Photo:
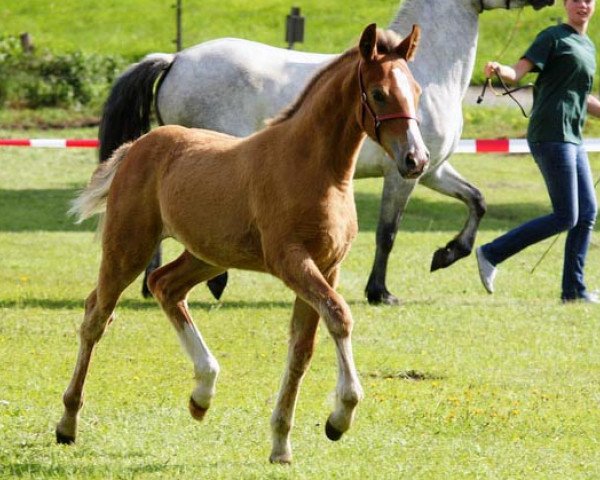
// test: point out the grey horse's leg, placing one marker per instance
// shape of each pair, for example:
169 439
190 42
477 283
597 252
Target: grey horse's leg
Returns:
396 192
153 265
448 181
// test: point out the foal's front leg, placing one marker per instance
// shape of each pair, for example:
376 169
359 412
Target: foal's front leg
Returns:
300 273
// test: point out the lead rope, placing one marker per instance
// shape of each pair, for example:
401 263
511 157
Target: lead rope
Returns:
507 91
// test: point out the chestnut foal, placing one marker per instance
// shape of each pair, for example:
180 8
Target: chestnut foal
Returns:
285 206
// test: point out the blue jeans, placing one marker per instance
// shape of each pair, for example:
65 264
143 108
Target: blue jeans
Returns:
566 171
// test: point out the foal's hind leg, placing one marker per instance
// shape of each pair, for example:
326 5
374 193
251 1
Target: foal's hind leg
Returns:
302 341
115 275
170 285
216 285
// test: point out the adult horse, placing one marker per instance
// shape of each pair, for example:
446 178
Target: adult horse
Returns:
286 208
232 85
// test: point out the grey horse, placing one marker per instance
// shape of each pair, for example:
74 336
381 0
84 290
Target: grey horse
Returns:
232 86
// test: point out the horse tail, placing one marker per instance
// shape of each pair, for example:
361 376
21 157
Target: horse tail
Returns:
92 199
126 113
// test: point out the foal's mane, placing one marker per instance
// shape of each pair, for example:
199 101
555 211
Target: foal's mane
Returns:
387 42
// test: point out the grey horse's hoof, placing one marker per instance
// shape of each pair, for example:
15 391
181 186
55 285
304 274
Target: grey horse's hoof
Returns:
217 285
381 297
64 439
332 433
444 257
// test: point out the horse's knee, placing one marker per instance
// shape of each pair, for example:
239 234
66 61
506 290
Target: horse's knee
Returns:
338 319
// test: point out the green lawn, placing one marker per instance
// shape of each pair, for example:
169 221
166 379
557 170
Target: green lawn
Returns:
459 384
137 27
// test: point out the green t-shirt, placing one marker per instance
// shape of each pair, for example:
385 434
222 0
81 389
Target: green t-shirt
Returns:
566 61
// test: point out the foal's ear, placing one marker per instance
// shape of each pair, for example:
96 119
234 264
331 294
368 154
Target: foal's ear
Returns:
408 46
368 42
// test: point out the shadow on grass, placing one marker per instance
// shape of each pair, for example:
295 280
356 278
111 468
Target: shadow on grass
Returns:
78 304
35 210
46 210
446 214
17 470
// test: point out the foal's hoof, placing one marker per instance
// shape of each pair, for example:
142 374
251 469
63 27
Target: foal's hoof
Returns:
196 410
64 439
382 297
283 459
217 285
332 433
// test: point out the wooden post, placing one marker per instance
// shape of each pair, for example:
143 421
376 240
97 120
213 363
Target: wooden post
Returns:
26 42
178 40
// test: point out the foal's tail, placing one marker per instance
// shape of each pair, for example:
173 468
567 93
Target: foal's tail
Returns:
92 199
126 114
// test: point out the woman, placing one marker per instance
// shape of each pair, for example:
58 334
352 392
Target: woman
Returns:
565 57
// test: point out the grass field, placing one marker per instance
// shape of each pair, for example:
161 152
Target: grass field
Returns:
459 384
137 27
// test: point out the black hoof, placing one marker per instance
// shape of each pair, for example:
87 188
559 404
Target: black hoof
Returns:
332 433
196 410
146 293
64 439
444 257
217 285
382 297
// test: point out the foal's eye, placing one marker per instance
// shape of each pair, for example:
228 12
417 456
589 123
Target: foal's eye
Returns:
378 96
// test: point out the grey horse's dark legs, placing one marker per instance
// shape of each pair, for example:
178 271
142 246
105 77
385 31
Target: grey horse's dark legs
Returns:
448 181
396 193
153 265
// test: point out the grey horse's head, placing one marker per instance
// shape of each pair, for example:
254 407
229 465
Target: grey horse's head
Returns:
491 4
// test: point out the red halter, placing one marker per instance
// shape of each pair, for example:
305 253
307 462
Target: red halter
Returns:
377 119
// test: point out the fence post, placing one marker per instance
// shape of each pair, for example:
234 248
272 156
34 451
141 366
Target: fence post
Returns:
178 9
294 27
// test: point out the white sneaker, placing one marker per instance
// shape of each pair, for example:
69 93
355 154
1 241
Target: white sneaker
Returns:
487 271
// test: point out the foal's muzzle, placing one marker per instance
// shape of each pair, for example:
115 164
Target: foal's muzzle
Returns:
414 165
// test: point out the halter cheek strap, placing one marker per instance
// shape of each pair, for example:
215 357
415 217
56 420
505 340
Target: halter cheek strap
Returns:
377 119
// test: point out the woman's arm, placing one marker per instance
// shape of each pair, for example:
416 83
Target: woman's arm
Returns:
593 106
508 73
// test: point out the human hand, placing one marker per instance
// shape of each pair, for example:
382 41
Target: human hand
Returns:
490 68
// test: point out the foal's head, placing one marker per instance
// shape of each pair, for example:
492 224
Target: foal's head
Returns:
390 95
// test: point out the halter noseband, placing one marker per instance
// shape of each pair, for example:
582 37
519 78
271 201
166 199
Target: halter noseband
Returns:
377 119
